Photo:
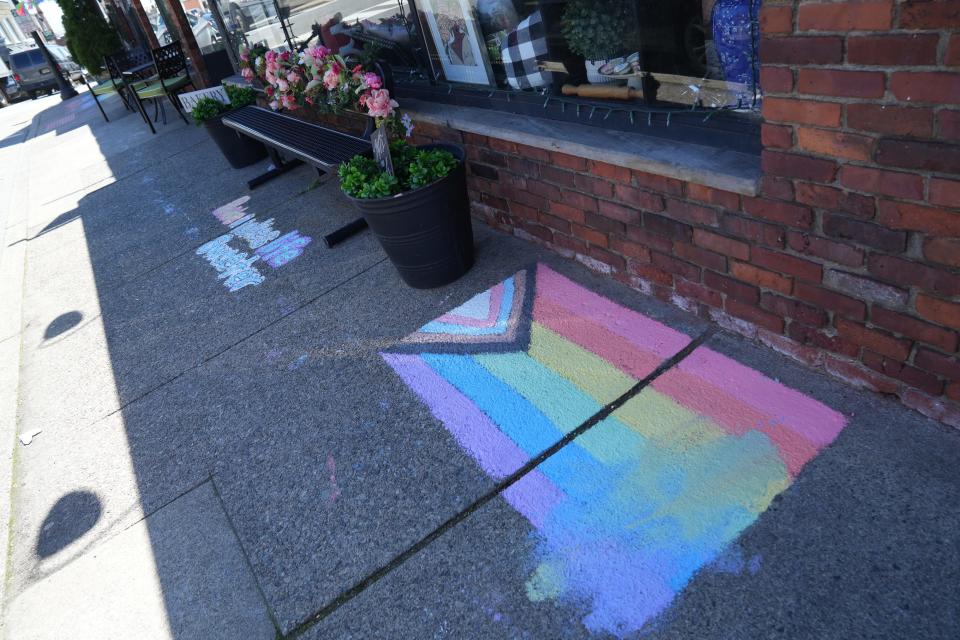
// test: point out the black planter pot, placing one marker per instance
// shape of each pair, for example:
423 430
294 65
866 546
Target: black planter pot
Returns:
426 233
239 150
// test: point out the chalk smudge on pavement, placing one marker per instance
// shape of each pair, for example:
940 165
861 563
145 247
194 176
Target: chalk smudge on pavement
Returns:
630 511
298 362
332 469
234 265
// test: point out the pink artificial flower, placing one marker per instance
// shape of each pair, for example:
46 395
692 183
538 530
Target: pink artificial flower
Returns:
293 78
285 56
274 105
372 80
362 100
247 73
308 100
271 56
315 55
379 104
272 79
245 56
331 79
288 102
283 85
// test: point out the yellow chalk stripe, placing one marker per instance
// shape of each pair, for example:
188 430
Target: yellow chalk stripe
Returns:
594 376
658 418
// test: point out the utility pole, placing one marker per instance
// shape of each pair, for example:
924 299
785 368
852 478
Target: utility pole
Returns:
66 89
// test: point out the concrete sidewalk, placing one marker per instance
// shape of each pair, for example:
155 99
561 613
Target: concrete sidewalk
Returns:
246 434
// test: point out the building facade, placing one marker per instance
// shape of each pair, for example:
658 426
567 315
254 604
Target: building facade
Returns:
790 171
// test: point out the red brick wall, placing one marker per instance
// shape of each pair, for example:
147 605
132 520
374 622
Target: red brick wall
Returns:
848 260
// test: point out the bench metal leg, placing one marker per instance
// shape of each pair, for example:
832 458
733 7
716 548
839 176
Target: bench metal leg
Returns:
346 231
279 168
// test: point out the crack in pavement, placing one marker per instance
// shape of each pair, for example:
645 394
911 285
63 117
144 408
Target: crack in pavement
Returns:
499 488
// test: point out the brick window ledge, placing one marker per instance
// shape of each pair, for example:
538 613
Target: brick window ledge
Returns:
718 168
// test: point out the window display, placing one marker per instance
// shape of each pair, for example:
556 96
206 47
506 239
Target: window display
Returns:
693 52
612 63
456 36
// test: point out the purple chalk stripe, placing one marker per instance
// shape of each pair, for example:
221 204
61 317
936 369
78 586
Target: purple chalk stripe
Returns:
535 495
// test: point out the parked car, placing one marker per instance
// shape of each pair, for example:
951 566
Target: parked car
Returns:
33 74
205 32
12 90
244 14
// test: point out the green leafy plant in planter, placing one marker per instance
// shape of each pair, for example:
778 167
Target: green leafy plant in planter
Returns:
421 214
239 150
361 176
599 29
207 109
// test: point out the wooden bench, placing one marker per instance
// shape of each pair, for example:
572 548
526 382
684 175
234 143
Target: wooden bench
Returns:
304 142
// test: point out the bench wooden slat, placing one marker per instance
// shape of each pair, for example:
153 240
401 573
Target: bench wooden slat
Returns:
312 143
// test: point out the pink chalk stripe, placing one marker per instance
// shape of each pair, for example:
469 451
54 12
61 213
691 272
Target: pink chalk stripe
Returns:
814 420
621 353
736 417
638 329
496 296
535 496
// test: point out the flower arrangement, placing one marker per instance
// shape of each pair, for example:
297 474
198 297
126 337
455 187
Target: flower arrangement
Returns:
317 78
248 57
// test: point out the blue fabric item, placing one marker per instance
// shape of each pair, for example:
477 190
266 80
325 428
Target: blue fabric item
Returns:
736 35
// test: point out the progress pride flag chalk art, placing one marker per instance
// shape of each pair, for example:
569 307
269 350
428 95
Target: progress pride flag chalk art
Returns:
627 513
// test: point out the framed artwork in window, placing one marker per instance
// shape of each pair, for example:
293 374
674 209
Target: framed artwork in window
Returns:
459 43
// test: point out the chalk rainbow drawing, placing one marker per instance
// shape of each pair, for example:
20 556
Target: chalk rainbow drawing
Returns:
235 267
628 512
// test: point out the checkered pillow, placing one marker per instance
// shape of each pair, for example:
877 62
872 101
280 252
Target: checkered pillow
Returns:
522 51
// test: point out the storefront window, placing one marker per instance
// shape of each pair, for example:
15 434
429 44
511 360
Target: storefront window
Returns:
685 64
203 25
158 22
253 21
700 53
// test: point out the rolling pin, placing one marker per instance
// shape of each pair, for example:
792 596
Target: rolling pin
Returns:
601 91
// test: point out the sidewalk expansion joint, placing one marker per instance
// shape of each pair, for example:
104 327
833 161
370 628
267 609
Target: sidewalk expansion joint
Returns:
246 557
500 487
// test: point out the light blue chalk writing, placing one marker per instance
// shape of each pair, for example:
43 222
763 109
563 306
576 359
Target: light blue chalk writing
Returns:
233 267
256 233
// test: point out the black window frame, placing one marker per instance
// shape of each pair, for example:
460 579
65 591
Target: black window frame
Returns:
716 127
722 128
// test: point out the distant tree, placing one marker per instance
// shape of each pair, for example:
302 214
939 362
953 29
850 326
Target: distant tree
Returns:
89 35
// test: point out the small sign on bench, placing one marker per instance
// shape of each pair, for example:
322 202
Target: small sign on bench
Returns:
189 99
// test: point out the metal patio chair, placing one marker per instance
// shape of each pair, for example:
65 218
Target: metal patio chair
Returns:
113 84
171 77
